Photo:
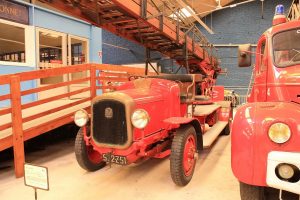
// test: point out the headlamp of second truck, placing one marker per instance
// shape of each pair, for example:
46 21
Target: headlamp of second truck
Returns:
279 133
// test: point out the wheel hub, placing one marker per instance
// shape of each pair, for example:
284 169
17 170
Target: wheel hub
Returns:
189 157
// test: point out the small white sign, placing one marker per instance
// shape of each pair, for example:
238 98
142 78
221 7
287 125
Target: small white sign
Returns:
36 176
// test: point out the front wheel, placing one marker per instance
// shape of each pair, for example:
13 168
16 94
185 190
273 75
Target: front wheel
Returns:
183 155
251 192
86 156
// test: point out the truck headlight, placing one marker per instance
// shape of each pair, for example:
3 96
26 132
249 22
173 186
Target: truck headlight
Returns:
279 133
81 117
140 118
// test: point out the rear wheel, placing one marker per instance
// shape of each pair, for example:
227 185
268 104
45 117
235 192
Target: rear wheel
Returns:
86 156
183 155
226 130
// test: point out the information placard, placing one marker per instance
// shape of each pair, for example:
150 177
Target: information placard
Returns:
36 176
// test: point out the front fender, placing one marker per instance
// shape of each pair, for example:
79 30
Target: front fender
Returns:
176 122
250 141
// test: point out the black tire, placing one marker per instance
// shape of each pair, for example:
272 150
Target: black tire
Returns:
251 192
226 130
177 168
85 154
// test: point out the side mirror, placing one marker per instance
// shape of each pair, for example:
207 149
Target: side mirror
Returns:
244 55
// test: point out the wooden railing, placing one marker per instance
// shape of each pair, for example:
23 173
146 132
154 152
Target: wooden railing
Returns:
21 121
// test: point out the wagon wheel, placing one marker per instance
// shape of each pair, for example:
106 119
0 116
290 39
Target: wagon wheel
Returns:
183 155
86 156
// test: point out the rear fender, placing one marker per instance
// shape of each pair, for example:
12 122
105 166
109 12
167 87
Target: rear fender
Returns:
175 122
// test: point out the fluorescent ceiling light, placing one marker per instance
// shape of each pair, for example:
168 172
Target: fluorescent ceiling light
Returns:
183 11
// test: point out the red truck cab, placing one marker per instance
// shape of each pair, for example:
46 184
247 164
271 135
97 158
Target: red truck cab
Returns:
266 130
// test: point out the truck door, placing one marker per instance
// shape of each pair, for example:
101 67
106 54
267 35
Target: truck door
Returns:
260 92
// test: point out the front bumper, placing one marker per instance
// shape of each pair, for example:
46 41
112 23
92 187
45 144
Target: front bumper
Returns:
274 159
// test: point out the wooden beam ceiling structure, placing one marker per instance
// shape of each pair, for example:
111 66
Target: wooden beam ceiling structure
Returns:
294 12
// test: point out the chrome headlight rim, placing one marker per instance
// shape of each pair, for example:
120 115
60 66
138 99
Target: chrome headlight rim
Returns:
140 118
279 133
81 117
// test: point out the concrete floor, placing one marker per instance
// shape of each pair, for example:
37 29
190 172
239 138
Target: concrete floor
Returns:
212 180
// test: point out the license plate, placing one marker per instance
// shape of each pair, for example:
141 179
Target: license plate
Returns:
120 160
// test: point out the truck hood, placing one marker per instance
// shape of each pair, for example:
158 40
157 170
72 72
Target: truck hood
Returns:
141 96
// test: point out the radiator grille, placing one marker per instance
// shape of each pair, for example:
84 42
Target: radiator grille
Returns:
109 122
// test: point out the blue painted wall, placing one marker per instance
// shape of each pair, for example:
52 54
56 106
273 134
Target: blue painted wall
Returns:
117 50
63 24
53 21
95 44
4 89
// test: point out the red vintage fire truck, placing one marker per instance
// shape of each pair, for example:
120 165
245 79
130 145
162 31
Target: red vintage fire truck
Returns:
266 130
151 117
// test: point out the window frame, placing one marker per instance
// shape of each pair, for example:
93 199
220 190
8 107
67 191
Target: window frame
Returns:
29 42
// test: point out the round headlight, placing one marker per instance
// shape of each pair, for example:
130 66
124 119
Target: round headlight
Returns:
140 118
285 171
81 117
279 133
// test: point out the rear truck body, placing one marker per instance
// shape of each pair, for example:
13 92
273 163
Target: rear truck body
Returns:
151 117
266 130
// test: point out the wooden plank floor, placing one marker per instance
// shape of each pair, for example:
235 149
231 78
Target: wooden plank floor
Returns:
41 108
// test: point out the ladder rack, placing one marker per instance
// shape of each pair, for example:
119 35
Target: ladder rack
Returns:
150 25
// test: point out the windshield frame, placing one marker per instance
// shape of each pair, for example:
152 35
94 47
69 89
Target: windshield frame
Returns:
273 50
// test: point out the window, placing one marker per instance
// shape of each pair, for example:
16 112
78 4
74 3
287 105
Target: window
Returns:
78 51
286 47
16 49
50 48
12 46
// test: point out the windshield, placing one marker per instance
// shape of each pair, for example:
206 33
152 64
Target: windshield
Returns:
286 47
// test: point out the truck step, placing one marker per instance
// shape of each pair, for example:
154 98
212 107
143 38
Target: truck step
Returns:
210 136
204 110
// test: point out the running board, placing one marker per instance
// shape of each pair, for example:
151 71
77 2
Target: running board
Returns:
210 136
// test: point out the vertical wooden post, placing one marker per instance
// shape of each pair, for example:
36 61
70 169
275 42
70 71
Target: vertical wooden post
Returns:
17 126
93 81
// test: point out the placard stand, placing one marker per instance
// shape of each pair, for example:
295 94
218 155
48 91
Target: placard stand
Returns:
35 193
36 177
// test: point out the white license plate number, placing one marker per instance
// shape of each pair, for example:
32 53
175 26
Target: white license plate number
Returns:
120 160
